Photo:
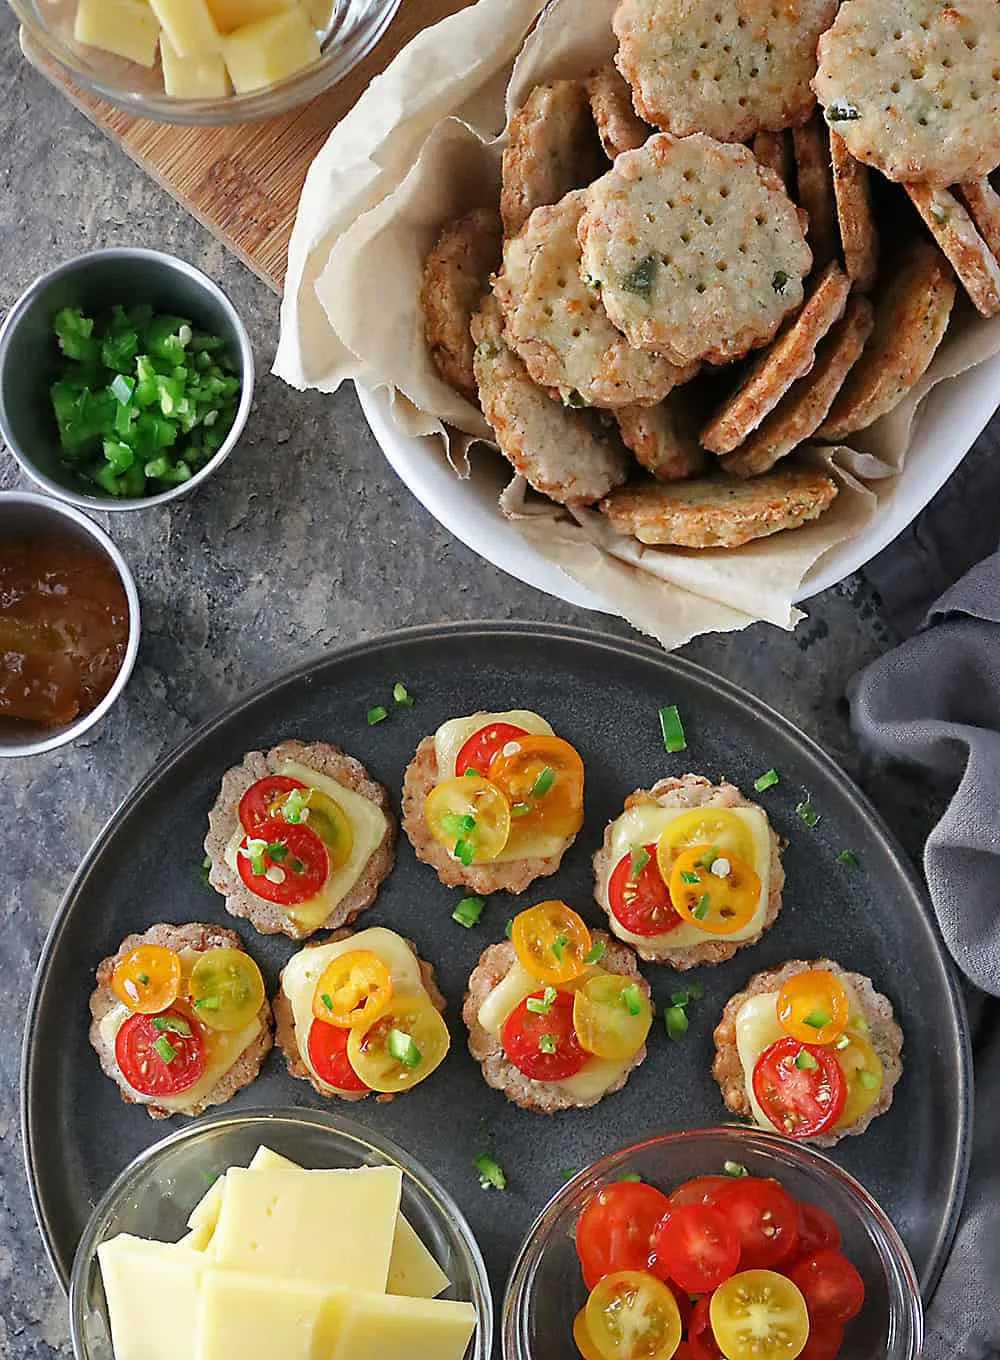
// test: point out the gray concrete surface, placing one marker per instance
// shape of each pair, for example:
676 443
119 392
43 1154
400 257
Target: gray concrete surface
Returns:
305 540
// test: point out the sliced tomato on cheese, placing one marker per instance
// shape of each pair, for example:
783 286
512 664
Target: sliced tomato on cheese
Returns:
800 1087
542 1044
283 863
161 1055
327 1046
263 799
482 746
638 897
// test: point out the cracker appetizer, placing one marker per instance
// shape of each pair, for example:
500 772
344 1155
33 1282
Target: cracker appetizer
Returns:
299 839
689 873
557 1016
808 1050
359 1013
493 801
180 1018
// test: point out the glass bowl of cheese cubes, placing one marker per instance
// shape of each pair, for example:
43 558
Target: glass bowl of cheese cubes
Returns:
206 61
265 1234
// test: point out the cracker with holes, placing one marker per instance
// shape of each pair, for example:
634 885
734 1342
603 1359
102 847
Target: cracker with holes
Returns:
562 453
556 324
772 149
664 438
552 147
618 125
726 67
912 309
790 357
456 275
814 182
983 203
955 232
698 251
802 410
913 87
719 511
853 197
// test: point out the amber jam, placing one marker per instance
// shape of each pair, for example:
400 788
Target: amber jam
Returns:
64 626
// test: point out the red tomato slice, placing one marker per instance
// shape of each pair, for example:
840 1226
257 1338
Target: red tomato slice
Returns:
800 1101
697 1191
684 1351
642 905
259 803
700 1336
298 869
615 1229
816 1229
482 746
825 1340
697 1247
544 1047
158 1060
830 1284
328 1054
765 1218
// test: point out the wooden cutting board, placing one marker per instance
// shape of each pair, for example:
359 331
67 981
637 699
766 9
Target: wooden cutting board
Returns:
243 181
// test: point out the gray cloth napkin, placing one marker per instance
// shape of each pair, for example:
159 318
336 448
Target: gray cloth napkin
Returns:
933 705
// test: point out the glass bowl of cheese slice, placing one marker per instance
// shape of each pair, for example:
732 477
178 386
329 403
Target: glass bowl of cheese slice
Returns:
288 1233
204 61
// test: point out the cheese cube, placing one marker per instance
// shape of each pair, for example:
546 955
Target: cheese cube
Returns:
233 14
404 1329
203 77
413 1271
257 1317
152 1289
262 53
324 1226
189 26
128 28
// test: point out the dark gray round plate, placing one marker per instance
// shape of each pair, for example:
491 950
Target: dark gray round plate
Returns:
603 695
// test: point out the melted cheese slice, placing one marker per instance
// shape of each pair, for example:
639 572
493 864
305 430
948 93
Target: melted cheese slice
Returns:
304 969
640 826
368 823
591 1081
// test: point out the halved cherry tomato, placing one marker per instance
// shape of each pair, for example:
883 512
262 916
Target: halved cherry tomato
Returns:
759 1315
352 990
551 941
147 979
800 1087
813 1006
720 828
631 1315
817 1229
615 1229
543 1047
612 1015
328 1056
701 1338
294 860
542 780
832 1288
696 1246
641 902
855 1058
697 1191
262 800
469 817
403 1045
825 1341
582 1337
161 1055
327 818
483 745
715 904
765 1217
226 989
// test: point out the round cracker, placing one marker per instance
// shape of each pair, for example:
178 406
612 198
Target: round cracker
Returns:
663 438
814 183
911 316
719 511
551 148
955 232
563 453
557 326
223 821
618 125
694 791
456 275
729 68
983 203
698 250
913 87
855 219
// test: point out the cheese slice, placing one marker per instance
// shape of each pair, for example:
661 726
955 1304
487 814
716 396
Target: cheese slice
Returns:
152 1291
368 824
391 1328
249 1316
204 1217
197 1239
643 824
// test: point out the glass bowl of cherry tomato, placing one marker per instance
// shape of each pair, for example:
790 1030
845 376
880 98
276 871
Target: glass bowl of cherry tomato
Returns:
717 1244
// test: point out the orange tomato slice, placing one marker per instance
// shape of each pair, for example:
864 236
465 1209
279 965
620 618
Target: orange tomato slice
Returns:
402 1045
148 979
631 1315
225 989
353 990
470 817
612 1015
862 1069
759 1315
551 942
715 826
814 1007
542 780
716 903
582 1337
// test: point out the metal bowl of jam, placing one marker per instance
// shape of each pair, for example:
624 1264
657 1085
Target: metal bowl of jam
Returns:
69 623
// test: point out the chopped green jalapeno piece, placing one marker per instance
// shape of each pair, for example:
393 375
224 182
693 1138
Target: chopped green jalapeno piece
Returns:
377 714
596 952
734 1169
675 1018
673 729
165 1049
632 998
468 911
849 857
402 1049
541 1005
547 1043
401 695
766 781
805 1061
543 782
807 813
491 1173
638 859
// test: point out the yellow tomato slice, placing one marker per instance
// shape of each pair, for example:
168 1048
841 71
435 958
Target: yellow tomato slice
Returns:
759 1315
401 1046
551 942
582 1337
632 1315
814 1007
611 1015
717 827
352 990
470 817
542 780
225 988
716 903
331 823
148 979
862 1069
